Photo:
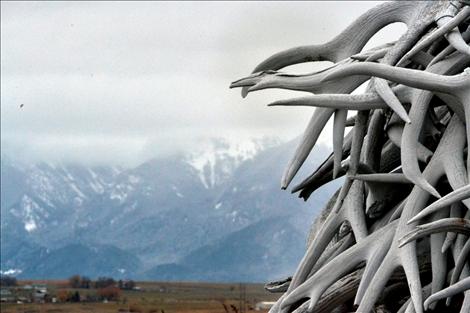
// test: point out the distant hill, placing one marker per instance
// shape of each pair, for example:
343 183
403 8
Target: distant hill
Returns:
262 251
265 247
76 258
215 214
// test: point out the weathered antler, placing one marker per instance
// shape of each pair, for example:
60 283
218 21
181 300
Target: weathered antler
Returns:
406 149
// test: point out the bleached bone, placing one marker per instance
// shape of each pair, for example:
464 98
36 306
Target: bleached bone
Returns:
406 147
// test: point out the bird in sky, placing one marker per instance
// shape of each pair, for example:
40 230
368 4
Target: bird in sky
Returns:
21 105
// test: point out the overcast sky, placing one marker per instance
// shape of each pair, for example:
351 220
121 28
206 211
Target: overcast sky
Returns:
123 81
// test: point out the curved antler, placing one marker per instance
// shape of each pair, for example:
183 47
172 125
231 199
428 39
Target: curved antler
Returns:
403 161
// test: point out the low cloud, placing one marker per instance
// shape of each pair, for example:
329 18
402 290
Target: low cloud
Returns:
105 81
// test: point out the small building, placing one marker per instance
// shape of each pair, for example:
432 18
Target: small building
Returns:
39 296
40 287
22 299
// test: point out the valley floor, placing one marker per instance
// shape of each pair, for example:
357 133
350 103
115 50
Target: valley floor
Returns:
159 297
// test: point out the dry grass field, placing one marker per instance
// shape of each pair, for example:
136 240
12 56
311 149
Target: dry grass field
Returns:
157 297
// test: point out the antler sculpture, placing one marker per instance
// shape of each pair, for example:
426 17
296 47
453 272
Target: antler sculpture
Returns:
395 237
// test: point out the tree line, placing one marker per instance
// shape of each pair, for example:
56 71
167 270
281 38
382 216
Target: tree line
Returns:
77 281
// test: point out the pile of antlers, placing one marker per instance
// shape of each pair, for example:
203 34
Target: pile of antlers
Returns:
395 237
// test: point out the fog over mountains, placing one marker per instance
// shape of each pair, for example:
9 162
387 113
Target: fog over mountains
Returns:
214 214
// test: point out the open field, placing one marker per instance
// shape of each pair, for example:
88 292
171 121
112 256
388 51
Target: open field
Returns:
156 297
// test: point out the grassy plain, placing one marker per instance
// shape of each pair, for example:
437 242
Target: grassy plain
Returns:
157 297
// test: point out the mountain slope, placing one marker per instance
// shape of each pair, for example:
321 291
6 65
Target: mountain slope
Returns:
262 251
160 211
93 261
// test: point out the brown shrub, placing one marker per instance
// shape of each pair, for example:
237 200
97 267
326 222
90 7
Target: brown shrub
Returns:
110 293
63 295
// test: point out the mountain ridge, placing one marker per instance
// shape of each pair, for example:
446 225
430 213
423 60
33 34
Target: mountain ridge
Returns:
159 211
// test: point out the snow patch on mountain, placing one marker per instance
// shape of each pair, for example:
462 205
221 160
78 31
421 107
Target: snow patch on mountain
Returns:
118 194
29 213
215 160
97 187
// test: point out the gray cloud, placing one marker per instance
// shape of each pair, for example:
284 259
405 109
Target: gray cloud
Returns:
103 81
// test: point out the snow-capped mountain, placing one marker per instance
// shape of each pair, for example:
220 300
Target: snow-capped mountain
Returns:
151 216
215 160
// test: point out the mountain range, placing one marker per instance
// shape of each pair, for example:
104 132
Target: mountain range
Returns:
213 214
